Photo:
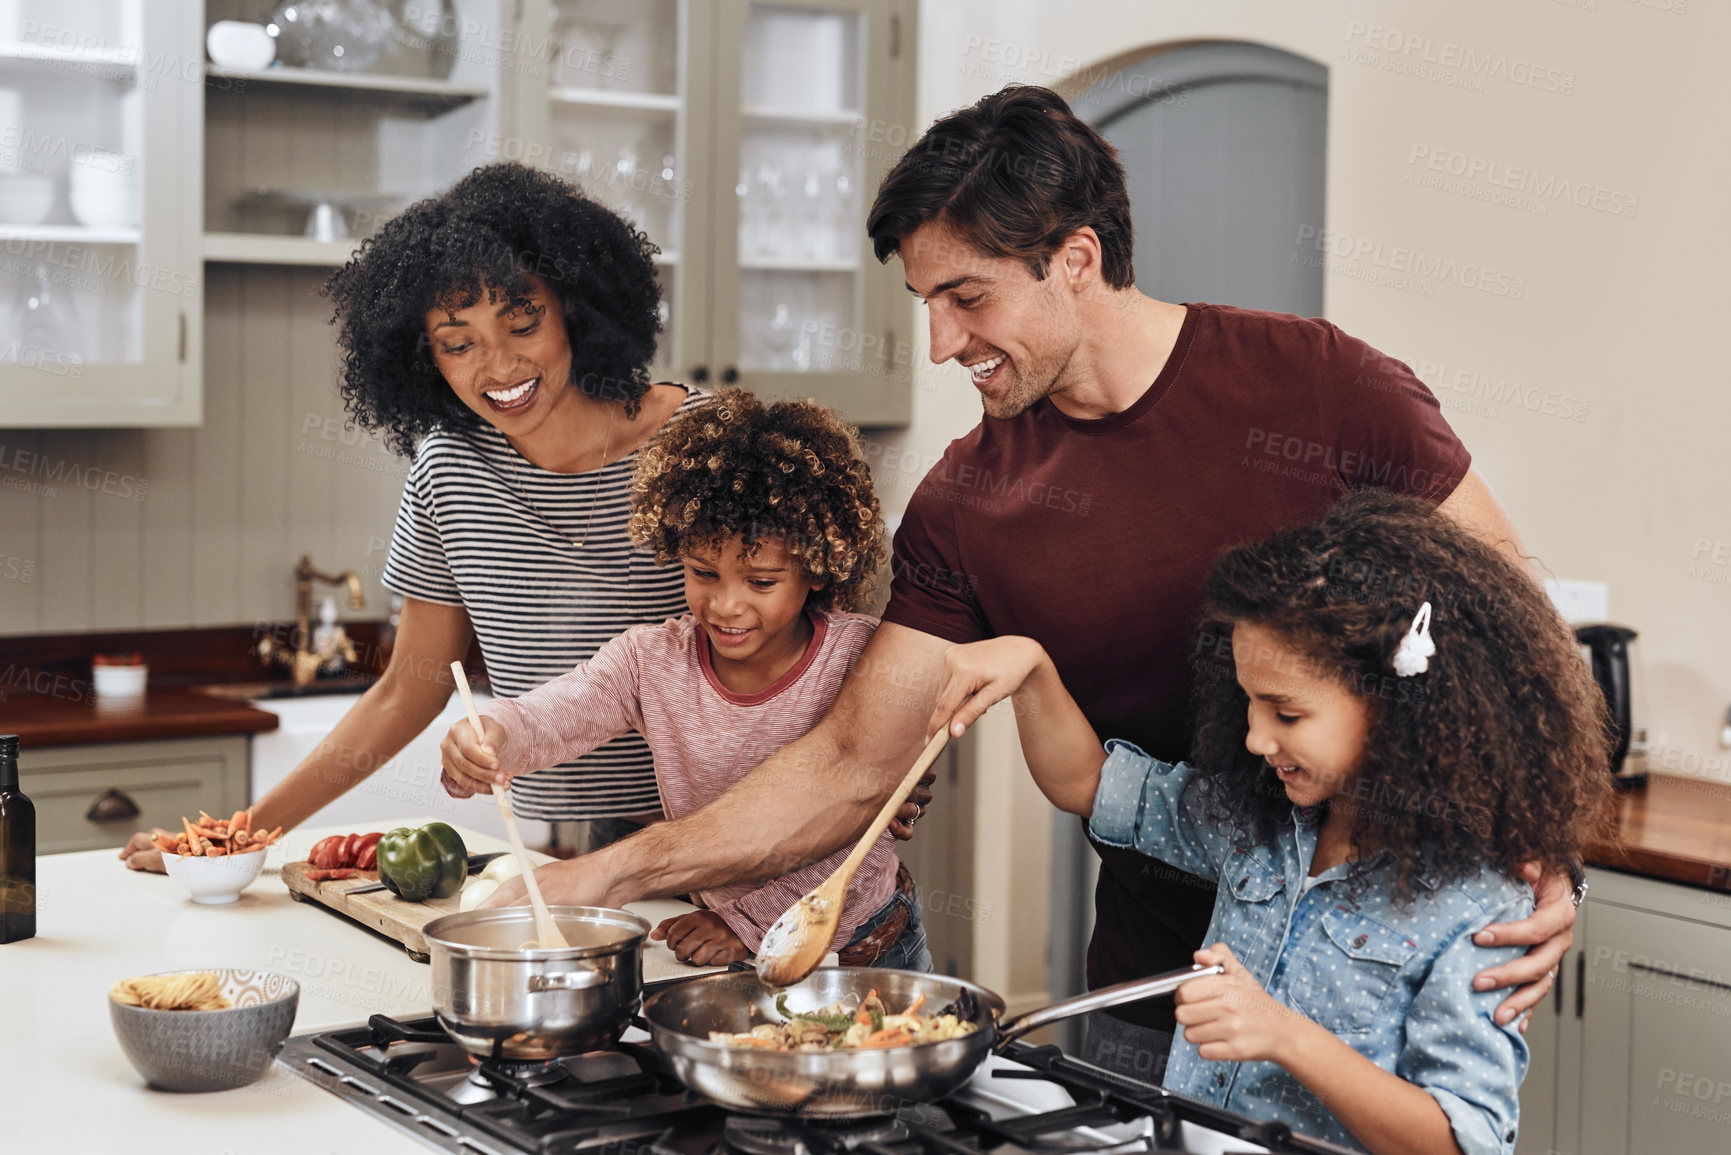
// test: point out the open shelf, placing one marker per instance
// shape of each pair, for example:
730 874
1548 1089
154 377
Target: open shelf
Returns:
124 61
608 98
71 234
420 89
764 113
796 265
261 249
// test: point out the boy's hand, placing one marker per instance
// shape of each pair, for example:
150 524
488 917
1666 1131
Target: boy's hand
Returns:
978 676
701 938
1229 1016
472 766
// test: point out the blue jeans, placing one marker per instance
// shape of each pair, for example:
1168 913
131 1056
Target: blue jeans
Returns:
909 952
1124 1048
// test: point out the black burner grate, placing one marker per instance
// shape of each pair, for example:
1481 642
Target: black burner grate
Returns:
624 1101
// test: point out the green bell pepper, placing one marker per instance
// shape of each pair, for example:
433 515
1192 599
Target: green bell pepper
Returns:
416 865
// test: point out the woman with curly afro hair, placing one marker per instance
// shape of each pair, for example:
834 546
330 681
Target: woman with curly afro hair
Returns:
1395 737
500 334
769 511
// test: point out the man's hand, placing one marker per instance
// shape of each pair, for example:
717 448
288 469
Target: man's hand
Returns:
1547 930
574 882
914 809
701 938
140 852
1229 1016
471 765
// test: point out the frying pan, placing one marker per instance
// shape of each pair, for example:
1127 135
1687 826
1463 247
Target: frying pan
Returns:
854 1083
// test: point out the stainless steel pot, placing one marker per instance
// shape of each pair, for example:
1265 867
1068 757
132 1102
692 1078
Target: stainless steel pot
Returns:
502 1000
856 1083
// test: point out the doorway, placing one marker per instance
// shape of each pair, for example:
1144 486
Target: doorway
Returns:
1224 145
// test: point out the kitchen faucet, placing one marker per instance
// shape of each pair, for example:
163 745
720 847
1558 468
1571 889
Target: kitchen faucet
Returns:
303 661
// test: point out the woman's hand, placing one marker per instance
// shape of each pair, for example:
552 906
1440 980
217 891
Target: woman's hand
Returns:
1230 1017
140 852
471 766
978 676
701 938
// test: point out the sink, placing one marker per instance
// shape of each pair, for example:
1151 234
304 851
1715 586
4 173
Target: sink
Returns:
249 691
405 785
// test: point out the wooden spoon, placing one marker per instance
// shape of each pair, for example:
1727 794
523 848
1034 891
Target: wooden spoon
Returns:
546 930
801 936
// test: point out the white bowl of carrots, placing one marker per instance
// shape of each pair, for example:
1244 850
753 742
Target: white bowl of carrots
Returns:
216 858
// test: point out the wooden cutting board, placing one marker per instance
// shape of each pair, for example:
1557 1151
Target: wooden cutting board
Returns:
401 921
380 910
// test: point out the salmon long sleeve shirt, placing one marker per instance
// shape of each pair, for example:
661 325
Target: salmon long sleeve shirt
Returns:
659 680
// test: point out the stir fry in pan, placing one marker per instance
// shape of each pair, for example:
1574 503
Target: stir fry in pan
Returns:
838 1027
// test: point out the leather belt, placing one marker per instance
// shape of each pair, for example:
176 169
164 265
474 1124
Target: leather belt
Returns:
875 945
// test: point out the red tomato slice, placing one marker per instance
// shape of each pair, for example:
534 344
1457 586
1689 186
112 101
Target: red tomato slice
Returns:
327 853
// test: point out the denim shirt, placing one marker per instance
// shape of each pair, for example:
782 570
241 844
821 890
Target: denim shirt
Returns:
1395 986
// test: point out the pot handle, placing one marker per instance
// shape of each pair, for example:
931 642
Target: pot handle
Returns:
567 981
1113 996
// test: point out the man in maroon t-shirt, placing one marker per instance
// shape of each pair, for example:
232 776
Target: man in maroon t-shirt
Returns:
1126 441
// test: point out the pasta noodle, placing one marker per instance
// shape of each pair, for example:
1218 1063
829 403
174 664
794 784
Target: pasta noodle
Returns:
192 991
868 1026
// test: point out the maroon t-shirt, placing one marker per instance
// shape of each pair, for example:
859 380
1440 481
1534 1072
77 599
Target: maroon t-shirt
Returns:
1095 538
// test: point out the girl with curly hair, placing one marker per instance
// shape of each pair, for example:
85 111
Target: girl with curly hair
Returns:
769 512
499 334
1395 735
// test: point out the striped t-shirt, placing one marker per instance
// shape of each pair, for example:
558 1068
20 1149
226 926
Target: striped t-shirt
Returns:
502 544
661 680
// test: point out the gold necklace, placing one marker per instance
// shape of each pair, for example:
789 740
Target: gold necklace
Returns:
606 445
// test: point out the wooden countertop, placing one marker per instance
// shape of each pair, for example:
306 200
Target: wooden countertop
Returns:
1676 829
76 716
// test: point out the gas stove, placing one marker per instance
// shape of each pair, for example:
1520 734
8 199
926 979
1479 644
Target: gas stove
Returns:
623 1101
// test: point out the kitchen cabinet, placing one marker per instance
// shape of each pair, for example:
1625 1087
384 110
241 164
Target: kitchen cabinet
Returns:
300 161
92 797
746 140
100 282
1635 1055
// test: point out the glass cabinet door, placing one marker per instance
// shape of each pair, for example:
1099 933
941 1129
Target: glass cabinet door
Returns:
99 295
796 102
619 75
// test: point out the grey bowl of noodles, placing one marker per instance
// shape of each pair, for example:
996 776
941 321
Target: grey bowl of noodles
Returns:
210 1030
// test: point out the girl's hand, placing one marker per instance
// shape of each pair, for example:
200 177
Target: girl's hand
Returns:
471 766
1229 1017
978 676
701 938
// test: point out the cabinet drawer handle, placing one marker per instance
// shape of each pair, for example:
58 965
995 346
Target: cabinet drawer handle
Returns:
112 806
1581 983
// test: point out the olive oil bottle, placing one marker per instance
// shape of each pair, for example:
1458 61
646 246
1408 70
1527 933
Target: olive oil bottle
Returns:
17 849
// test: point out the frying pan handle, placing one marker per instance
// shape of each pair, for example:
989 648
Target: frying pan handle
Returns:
1113 996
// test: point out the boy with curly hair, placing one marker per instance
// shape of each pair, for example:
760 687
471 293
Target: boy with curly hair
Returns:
771 512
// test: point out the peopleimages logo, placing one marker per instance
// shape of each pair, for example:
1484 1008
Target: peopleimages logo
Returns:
1429 58
1409 263
1532 189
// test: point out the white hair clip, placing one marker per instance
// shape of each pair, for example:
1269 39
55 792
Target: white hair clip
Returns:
1413 654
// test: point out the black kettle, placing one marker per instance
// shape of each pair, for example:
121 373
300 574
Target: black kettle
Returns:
1611 649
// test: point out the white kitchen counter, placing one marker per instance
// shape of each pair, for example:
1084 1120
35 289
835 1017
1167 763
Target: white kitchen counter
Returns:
64 1082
